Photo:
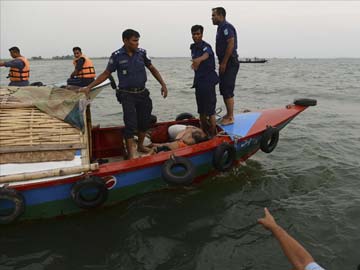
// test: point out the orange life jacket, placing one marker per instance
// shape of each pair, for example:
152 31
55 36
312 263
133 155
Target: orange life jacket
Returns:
88 70
17 74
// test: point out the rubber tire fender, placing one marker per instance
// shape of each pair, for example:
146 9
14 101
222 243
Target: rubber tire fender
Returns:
306 102
17 198
184 116
218 156
179 180
87 183
269 140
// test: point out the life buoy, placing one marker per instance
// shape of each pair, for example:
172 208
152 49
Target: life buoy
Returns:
178 179
269 140
224 156
18 205
305 102
184 116
96 189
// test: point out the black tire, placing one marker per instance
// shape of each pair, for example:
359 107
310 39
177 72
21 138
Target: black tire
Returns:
93 182
179 180
269 140
224 152
8 194
305 102
184 116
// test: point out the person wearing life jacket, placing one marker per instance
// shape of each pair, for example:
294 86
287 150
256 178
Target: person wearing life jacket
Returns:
84 72
19 68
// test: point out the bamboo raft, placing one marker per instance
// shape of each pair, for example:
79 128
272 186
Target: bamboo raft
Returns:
30 135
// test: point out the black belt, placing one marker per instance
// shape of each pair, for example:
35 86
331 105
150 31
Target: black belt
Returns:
133 89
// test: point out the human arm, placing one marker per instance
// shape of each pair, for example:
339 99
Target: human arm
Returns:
172 145
158 77
2 63
78 67
102 77
293 250
228 52
16 63
197 61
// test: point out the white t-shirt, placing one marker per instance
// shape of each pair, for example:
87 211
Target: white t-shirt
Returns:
313 266
174 130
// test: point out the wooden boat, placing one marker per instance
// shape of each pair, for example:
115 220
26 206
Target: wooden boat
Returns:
107 178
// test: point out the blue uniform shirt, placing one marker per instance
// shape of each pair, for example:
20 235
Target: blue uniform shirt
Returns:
16 63
224 32
130 69
206 71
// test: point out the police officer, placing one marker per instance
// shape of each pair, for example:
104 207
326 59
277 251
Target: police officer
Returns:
205 79
226 46
130 62
19 68
84 72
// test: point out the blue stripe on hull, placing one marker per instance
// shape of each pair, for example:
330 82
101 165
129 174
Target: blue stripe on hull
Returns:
62 192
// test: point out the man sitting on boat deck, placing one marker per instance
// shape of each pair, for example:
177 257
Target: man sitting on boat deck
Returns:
181 136
130 62
19 68
205 79
84 72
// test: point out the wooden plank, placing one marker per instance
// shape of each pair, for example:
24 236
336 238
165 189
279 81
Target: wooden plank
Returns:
44 147
16 105
20 177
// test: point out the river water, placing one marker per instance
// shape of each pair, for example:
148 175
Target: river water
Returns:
311 183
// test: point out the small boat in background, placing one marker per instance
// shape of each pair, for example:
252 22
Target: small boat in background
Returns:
254 60
94 172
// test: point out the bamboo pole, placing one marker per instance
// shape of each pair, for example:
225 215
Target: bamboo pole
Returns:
40 147
20 177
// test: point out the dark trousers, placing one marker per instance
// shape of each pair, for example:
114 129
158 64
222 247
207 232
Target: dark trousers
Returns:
137 108
205 98
228 78
79 81
20 83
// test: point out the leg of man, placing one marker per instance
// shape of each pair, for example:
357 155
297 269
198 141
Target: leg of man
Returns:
143 112
204 123
212 127
227 86
229 104
206 102
130 120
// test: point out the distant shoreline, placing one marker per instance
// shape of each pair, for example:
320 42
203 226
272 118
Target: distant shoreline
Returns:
185 57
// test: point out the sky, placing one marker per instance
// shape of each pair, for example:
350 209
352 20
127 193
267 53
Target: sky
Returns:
284 29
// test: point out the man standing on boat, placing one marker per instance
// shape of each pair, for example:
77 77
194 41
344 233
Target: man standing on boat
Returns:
84 72
205 79
226 46
130 62
19 68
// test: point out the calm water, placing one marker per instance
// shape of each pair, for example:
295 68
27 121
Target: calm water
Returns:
311 182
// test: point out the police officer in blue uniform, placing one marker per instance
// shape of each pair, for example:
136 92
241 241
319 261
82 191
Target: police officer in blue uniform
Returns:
205 79
130 62
226 51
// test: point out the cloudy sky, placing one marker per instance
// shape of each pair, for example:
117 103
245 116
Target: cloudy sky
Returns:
265 28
